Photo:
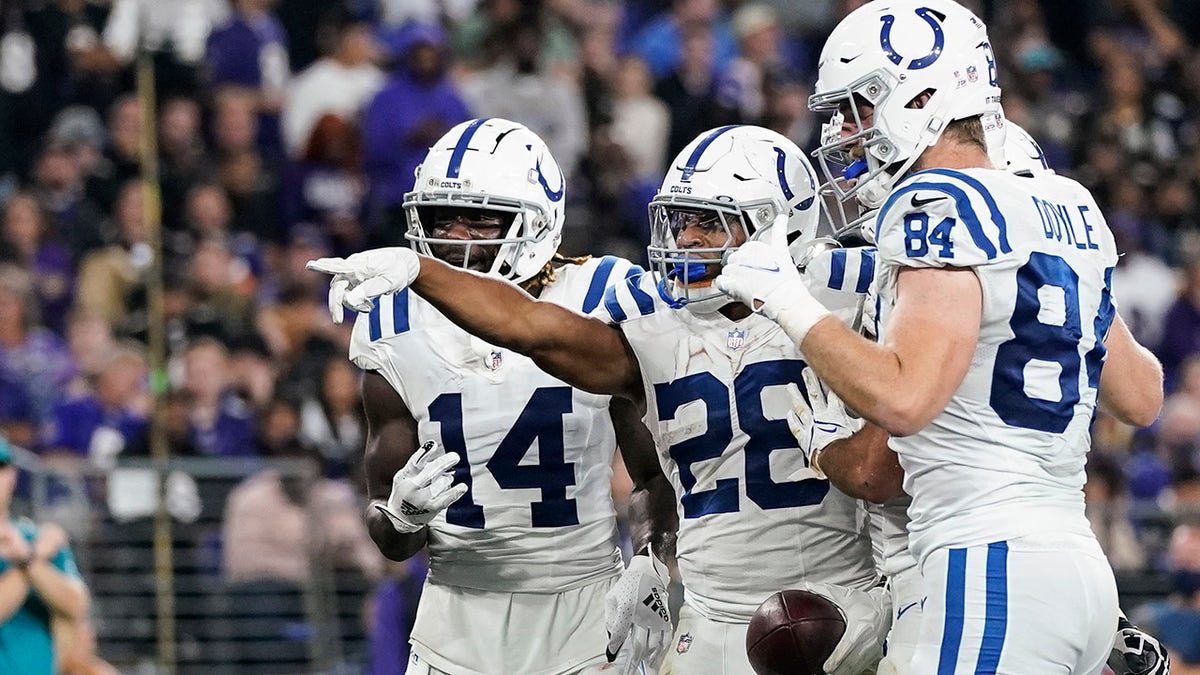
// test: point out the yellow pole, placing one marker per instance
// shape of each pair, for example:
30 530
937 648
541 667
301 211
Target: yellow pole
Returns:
164 580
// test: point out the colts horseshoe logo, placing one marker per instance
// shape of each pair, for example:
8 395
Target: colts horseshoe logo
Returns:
939 40
551 194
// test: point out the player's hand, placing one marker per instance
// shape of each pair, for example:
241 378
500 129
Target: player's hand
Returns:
819 423
364 276
422 489
765 279
1136 652
637 617
761 276
868 617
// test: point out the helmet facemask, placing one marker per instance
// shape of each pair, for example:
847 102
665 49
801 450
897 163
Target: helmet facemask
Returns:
685 274
521 224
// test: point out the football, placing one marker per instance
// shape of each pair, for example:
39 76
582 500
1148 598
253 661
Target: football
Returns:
793 632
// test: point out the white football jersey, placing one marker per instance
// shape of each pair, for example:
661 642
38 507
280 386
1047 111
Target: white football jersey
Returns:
851 273
536 453
1005 458
753 518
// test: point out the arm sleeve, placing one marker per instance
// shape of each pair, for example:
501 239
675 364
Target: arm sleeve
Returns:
629 292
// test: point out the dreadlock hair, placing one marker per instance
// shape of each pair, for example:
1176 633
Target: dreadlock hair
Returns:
547 274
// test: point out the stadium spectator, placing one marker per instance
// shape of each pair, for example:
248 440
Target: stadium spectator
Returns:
419 103
520 88
183 158
341 84
16 414
1176 621
108 277
1107 512
29 353
274 526
688 88
661 42
107 421
332 422
481 38
1181 327
250 50
326 188
38 581
25 240
120 161
219 423
58 185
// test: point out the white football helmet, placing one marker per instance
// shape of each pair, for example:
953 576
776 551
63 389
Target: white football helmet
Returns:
1022 155
741 177
885 55
497 165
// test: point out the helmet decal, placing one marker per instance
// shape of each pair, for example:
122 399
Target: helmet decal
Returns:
552 195
939 40
689 168
460 148
780 161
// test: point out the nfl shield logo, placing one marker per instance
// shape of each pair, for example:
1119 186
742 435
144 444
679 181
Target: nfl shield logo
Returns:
684 644
495 360
736 339
972 74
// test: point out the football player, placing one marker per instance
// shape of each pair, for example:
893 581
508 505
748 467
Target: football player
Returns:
995 318
711 378
522 542
863 465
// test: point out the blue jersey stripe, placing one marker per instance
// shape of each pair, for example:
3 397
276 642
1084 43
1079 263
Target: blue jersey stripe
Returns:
373 321
595 291
400 312
966 212
995 623
866 270
460 148
837 268
613 305
633 279
997 217
956 606
690 167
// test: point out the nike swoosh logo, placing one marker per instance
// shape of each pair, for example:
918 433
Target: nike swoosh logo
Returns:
918 203
765 269
848 60
905 609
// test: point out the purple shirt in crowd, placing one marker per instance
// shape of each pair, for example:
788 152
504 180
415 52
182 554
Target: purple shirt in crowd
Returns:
45 367
77 420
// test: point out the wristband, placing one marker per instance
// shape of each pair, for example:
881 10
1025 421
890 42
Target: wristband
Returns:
800 316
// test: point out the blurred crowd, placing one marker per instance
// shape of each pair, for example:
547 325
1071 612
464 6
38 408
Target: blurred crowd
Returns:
287 130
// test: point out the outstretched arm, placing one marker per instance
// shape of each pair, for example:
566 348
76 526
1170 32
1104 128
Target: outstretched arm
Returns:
581 351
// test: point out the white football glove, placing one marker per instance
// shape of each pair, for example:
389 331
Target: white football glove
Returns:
637 617
364 276
868 617
422 488
1136 652
765 279
824 422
